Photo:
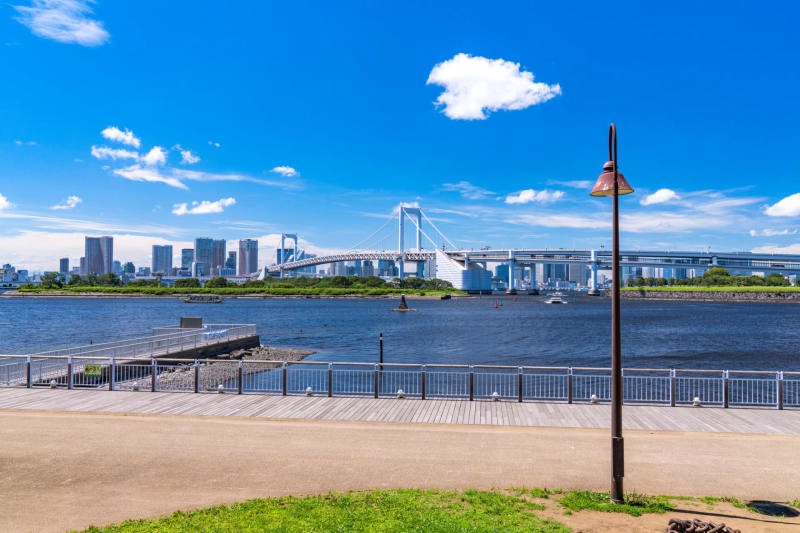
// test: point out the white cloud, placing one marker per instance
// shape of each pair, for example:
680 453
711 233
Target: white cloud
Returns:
531 195
138 173
70 203
474 84
156 156
188 157
113 133
410 205
659 197
66 21
104 152
787 207
214 144
793 249
575 184
468 190
632 223
772 232
285 171
25 143
4 203
203 208
195 175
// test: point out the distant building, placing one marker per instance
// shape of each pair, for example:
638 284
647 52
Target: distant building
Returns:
203 256
116 267
82 270
248 257
129 268
367 269
219 255
230 263
99 255
187 258
144 272
162 259
63 265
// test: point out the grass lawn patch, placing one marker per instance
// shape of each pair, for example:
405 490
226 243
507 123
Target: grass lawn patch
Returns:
374 511
635 504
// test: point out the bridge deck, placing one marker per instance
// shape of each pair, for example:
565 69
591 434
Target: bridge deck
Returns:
757 421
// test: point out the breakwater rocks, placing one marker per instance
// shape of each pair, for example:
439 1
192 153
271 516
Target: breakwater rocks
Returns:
221 370
714 296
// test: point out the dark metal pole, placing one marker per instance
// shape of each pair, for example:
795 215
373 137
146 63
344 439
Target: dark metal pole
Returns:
617 443
381 349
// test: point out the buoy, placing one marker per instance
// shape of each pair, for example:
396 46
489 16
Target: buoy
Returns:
53 384
220 389
495 397
696 402
309 391
593 398
400 393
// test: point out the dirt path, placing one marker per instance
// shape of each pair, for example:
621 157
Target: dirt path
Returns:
69 470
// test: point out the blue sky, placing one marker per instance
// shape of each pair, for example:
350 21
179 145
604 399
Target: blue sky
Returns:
158 122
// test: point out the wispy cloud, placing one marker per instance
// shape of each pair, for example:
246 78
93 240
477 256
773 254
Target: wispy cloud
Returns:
187 156
787 207
532 195
195 175
468 190
793 249
659 197
474 85
285 171
65 21
70 203
139 173
203 208
772 232
113 133
573 184
73 224
215 144
104 152
24 143
4 203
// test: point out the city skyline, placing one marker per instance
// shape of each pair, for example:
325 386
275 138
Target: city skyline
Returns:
497 129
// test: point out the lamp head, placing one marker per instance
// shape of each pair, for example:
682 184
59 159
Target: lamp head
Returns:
605 182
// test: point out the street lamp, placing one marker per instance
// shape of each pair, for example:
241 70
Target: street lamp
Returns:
612 183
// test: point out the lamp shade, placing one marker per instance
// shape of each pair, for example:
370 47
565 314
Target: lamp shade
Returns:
605 182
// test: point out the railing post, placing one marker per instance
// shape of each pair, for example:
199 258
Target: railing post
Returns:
673 381
569 385
725 390
377 380
471 383
28 372
153 375
779 388
422 377
283 378
330 380
196 375
519 385
69 373
112 371
240 377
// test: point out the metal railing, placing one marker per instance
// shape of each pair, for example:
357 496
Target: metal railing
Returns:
672 387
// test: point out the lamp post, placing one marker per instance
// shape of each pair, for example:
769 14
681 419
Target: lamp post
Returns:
612 183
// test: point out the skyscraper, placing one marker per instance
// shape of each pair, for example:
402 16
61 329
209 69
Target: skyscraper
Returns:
187 258
63 265
99 255
162 259
219 256
230 263
248 256
204 255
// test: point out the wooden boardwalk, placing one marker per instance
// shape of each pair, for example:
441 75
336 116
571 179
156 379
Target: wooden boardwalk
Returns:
415 411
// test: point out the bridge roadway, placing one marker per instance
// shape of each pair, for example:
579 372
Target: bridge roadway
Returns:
743 261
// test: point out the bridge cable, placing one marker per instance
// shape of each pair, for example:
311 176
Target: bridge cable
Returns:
356 246
442 235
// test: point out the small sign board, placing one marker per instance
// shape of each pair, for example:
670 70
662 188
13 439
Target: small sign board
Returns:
93 370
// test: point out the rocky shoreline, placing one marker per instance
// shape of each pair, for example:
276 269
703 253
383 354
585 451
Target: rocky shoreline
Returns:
218 370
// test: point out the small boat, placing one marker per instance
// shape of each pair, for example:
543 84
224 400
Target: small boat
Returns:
202 299
446 297
556 298
533 292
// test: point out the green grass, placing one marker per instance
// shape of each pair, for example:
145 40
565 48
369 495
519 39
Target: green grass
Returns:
711 500
721 288
795 503
241 291
635 504
373 511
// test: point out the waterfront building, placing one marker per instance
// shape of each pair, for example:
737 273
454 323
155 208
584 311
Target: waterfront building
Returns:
248 256
63 265
218 260
116 267
144 272
367 269
578 273
230 262
82 270
187 258
162 259
203 256
99 255
386 267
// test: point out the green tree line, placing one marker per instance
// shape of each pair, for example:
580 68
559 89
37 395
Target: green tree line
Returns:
713 277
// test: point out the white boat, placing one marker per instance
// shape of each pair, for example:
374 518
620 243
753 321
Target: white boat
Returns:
555 298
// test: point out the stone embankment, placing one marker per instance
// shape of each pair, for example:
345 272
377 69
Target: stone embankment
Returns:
713 296
223 369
